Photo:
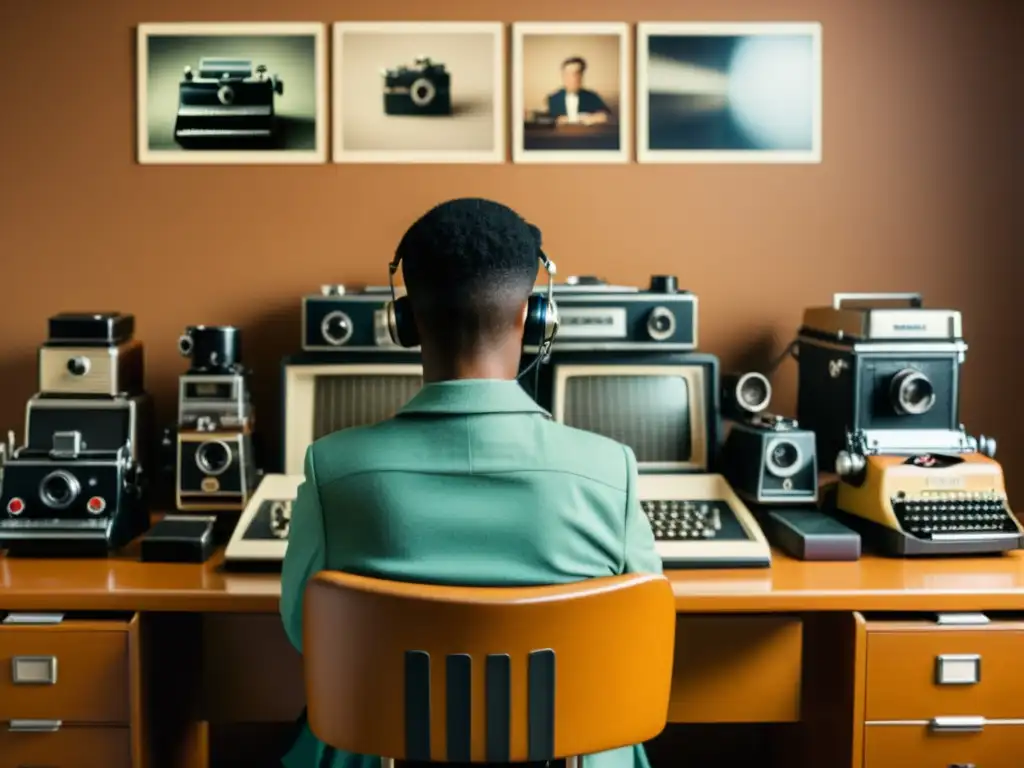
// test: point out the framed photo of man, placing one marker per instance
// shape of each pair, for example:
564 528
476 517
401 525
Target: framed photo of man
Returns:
570 92
725 92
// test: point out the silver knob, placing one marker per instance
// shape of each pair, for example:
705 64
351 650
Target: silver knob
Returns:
849 463
987 446
332 290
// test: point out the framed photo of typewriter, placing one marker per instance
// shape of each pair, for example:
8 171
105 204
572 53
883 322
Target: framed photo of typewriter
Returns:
419 92
728 92
571 93
225 93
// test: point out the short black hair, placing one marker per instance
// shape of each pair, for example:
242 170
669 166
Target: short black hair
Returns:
576 60
469 265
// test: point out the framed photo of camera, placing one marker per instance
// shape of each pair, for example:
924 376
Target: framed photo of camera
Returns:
225 93
727 92
419 92
571 92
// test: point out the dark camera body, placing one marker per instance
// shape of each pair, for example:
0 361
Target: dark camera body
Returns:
770 460
227 104
71 505
422 89
216 471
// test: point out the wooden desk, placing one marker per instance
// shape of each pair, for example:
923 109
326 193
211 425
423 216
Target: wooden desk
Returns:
788 644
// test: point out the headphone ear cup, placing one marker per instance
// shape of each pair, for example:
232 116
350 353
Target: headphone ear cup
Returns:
540 316
401 326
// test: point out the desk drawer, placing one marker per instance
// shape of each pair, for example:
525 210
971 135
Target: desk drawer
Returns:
66 748
75 672
917 746
921 670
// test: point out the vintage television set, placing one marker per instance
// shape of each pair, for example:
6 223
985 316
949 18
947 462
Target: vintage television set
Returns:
665 406
320 394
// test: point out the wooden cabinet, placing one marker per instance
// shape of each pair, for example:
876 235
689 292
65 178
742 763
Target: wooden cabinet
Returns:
942 695
67 692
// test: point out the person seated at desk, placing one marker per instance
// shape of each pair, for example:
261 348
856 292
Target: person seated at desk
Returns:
574 104
471 483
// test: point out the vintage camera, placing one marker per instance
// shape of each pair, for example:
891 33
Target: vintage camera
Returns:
596 316
744 395
422 89
340 319
214 393
890 374
91 353
228 104
215 471
768 459
69 500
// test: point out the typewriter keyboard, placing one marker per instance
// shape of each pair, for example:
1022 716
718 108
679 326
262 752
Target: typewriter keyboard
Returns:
692 520
953 515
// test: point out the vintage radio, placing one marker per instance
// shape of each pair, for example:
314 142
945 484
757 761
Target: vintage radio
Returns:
104 424
349 320
352 390
941 503
593 315
91 353
768 459
69 501
228 103
868 367
665 407
216 471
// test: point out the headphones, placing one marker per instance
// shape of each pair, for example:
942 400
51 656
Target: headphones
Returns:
541 313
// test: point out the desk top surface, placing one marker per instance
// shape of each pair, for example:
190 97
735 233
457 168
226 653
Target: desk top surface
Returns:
123 583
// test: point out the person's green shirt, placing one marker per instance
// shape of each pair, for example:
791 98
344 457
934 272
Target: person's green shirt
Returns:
470 484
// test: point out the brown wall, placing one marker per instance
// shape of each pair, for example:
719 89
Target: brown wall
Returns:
914 192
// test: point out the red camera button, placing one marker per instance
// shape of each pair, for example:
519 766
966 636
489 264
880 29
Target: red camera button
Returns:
96 505
15 506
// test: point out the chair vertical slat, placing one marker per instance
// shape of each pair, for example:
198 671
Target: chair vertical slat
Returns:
498 687
541 705
417 705
459 707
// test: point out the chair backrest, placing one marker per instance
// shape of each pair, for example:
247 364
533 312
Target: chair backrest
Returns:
470 674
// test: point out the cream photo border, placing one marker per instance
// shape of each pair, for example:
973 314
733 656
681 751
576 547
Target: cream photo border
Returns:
498 154
645 154
145 155
625 151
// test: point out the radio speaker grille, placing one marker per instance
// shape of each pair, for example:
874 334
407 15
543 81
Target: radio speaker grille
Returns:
650 414
354 401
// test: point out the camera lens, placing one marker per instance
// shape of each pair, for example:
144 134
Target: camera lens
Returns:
213 457
783 458
661 323
336 328
226 95
422 92
185 345
78 366
912 393
59 489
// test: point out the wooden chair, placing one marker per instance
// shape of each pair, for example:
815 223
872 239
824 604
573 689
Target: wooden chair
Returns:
487 675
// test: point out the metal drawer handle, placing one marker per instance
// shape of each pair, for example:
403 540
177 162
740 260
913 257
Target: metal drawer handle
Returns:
34 726
957 724
34 670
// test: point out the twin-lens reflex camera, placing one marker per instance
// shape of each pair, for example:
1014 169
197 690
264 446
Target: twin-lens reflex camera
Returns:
211 448
421 89
76 485
879 384
227 104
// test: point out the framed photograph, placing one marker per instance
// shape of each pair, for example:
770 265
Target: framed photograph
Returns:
729 93
232 93
419 92
570 93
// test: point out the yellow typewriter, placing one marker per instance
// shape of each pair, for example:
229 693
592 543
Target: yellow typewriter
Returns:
947 498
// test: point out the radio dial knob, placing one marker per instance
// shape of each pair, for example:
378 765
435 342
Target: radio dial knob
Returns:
336 328
661 323
78 366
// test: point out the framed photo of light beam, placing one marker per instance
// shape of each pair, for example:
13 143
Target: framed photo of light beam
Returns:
726 92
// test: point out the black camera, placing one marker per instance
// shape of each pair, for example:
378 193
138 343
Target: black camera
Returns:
768 459
422 89
216 471
227 104
70 501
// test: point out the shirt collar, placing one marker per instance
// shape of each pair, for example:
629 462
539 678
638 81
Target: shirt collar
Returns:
471 396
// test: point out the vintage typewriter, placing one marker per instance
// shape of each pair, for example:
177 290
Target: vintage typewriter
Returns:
261 535
879 386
